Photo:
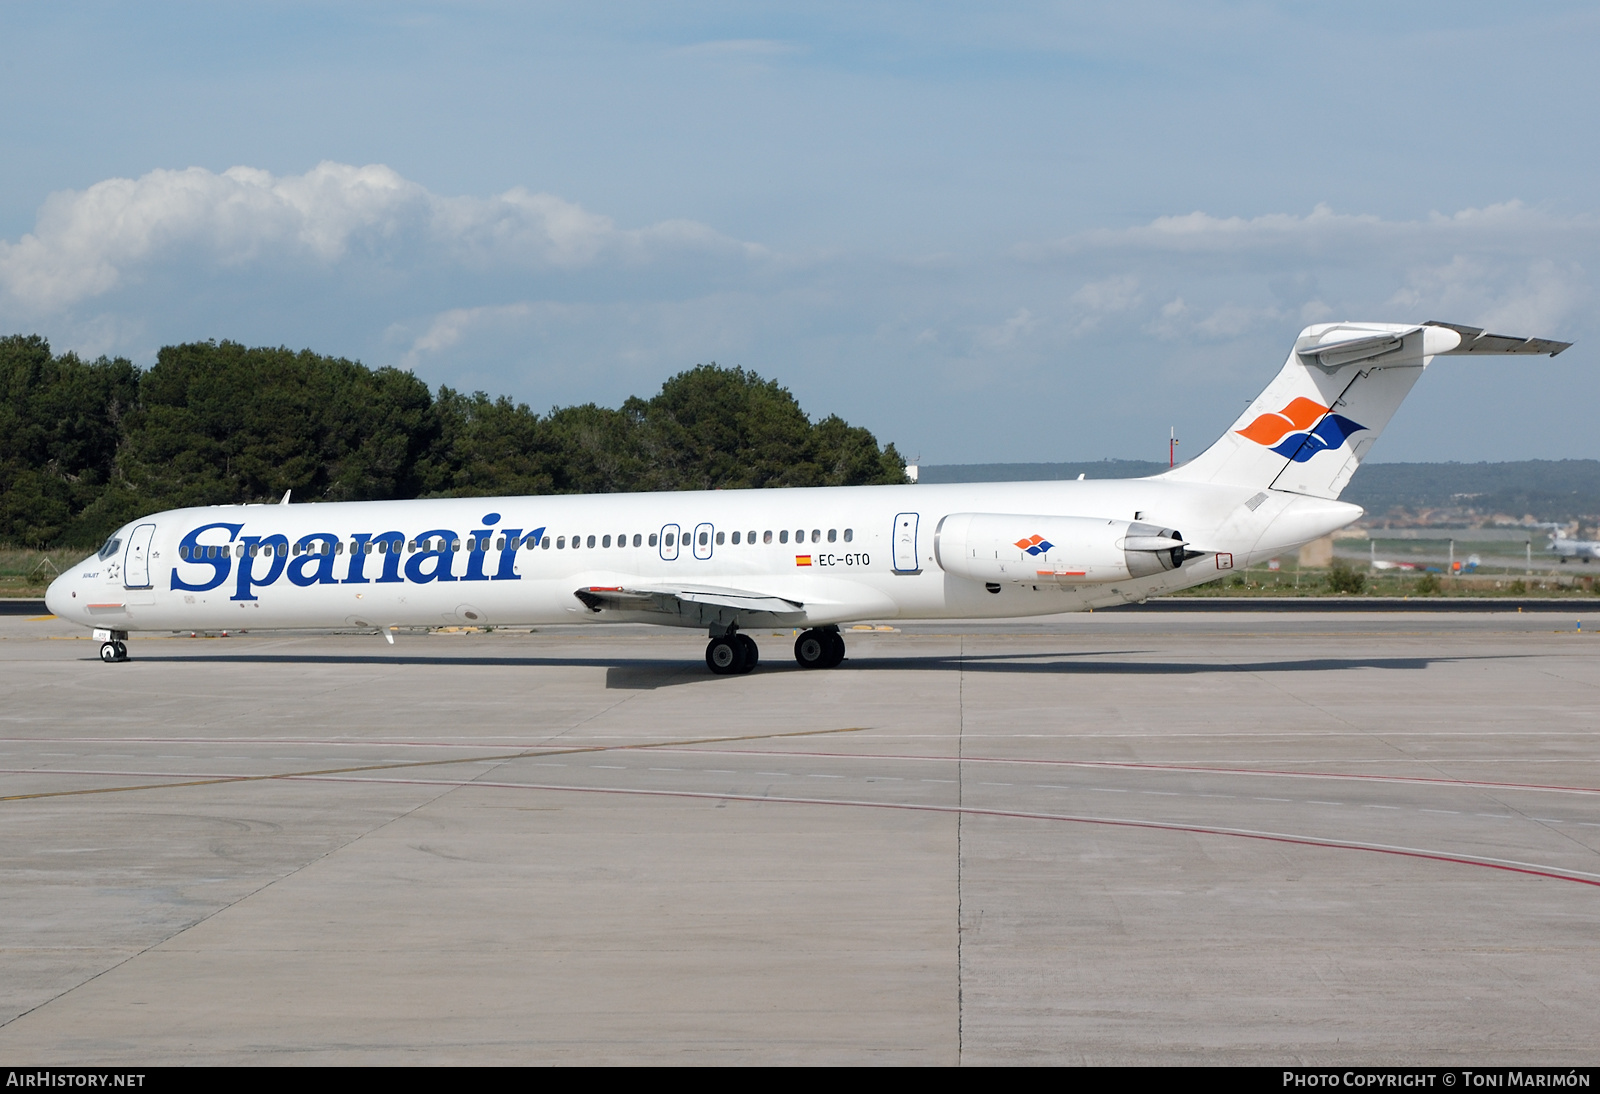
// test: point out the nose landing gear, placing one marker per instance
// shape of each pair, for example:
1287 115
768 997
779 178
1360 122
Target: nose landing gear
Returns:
819 648
113 645
732 653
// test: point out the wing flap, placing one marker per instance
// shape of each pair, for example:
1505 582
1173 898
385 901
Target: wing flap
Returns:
679 600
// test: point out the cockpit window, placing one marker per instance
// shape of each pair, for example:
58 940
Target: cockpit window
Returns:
110 548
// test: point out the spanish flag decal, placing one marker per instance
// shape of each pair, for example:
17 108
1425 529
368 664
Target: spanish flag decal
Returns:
802 560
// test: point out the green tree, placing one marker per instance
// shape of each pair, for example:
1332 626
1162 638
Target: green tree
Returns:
85 448
709 428
60 425
220 423
719 428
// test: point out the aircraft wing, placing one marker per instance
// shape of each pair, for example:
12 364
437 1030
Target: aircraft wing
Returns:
691 603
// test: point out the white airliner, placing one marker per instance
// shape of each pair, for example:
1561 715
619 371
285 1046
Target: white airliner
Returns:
736 560
1581 549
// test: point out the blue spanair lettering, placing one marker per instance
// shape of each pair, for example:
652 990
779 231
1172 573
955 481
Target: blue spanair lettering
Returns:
270 546
508 553
441 559
479 539
219 566
322 562
356 574
390 545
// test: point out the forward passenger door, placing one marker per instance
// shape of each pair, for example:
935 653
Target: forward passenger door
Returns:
136 562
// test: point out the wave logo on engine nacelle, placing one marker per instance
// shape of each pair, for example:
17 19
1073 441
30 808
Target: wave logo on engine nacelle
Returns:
1034 545
1300 430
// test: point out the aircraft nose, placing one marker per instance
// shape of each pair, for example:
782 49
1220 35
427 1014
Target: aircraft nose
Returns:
58 597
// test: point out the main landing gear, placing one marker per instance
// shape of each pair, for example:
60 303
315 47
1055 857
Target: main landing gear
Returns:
732 653
819 648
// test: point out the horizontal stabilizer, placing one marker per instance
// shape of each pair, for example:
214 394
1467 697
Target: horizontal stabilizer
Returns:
1474 340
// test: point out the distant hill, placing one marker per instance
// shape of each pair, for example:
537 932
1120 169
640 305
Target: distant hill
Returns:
1038 472
1547 490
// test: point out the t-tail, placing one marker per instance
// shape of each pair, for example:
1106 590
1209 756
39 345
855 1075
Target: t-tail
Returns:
1314 424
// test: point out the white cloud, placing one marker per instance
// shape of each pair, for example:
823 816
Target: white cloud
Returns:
448 327
742 47
87 243
1509 222
1006 334
1537 296
1506 266
1114 294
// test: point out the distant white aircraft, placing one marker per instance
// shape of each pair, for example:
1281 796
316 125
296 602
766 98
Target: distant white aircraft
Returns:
1581 549
732 561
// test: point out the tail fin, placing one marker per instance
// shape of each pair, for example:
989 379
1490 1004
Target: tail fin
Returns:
1310 429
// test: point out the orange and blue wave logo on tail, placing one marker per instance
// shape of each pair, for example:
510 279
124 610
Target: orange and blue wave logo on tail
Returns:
1034 545
1301 430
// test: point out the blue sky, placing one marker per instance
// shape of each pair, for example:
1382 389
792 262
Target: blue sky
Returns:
1031 232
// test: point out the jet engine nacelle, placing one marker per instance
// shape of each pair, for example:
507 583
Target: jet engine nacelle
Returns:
1027 550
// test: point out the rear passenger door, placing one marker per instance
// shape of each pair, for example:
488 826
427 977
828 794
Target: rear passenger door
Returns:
905 543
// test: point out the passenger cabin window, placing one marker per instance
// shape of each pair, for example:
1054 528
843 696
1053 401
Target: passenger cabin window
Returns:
653 539
816 535
849 534
722 538
638 539
605 541
833 534
766 537
704 538
590 541
561 543
749 537
783 536
736 539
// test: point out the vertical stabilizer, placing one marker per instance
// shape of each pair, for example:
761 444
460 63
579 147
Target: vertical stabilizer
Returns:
1314 424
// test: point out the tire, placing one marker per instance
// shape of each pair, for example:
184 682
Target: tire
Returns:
122 650
108 652
751 652
835 650
723 656
811 649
